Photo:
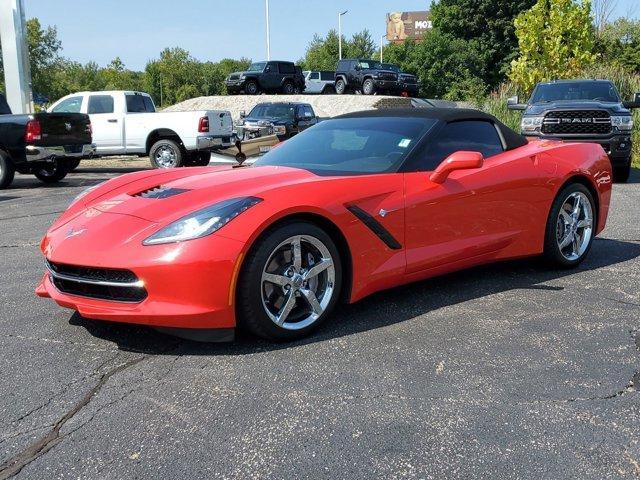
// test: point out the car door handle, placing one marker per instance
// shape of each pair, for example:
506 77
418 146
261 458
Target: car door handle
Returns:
113 120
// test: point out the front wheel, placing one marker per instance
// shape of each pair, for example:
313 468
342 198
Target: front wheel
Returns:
7 170
368 88
52 172
622 173
166 154
289 283
570 227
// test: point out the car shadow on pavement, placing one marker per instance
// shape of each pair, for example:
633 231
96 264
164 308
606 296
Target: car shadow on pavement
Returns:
381 309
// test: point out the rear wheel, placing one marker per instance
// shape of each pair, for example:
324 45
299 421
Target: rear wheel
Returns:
622 173
52 172
166 153
570 226
289 283
341 86
288 88
7 170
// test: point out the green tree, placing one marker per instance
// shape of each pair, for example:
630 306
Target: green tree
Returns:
619 44
322 52
556 40
487 26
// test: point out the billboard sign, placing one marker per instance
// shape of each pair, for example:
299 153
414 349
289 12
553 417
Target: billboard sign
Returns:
403 25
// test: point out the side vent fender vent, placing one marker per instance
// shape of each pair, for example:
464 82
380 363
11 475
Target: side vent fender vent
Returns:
160 192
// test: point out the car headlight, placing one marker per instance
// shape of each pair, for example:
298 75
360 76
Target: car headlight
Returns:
531 124
622 122
242 77
203 222
279 129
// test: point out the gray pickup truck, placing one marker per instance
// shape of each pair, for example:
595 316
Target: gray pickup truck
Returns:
582 111
41 144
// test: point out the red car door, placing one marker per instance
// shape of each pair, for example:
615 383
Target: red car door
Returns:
475 215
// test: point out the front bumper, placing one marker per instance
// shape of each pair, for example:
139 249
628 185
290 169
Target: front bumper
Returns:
234 85
215 142
40 154
617 146
189 285
386 84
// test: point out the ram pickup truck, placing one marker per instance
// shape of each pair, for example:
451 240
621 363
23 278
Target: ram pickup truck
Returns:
268 77
581 111
41 144
283 119
127 123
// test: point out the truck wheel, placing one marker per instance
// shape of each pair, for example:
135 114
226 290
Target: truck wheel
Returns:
199 159
328 90
166 153
72 164
52 172
251 88
621 173
7 170
341 86
368 88
288 88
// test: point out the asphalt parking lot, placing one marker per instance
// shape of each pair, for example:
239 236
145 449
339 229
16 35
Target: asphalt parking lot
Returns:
507 371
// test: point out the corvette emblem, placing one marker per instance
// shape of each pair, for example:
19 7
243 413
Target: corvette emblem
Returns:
74 233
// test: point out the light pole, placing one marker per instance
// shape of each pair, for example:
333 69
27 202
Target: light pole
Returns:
266 4
340 33
382 40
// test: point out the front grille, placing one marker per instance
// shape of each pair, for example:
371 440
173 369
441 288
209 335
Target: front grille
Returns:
577 122
103 283
388 76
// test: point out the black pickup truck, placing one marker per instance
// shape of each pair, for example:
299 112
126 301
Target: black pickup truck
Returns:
582 111
366 76
284 119
42 144
268 77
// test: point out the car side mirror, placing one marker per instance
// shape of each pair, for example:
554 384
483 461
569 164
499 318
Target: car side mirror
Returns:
243 114
513 103
635 103
461 160
357 68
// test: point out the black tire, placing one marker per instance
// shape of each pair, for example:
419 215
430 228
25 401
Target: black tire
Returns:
7 170
552 251
341 86
251 88
329 90
52 172
251 312
288 88
622 173
368 87
72 164
199 159
166 153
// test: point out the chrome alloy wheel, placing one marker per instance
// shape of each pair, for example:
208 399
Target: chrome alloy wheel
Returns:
574 226
166 157
298 282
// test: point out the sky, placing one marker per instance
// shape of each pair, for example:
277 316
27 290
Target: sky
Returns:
137 30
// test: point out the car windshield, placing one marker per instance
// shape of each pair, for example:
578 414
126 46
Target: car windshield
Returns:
389 66
351 146
256 67
273 111
370 64
575 91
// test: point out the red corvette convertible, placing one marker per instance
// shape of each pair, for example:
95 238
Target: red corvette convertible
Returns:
354 205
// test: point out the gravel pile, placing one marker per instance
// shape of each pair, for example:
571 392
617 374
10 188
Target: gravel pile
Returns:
324 105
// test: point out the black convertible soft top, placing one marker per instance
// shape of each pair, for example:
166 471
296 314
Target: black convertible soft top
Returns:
447 115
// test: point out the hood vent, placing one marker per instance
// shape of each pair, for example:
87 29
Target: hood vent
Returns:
160 192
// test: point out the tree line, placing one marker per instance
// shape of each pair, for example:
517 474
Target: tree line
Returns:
475 47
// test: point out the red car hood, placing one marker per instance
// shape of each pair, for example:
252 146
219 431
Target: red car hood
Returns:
159 198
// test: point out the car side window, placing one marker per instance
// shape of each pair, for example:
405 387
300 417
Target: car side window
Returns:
100 104
148 104
469 135
308 112
70 105
135 104
330 76
287 68
314 76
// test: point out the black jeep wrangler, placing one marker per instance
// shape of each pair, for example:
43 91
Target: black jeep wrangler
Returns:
268 77
581 111
366 76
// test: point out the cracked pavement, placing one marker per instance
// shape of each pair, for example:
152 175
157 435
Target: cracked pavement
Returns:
505 371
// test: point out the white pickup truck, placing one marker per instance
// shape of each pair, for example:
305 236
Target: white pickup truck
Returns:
127 123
